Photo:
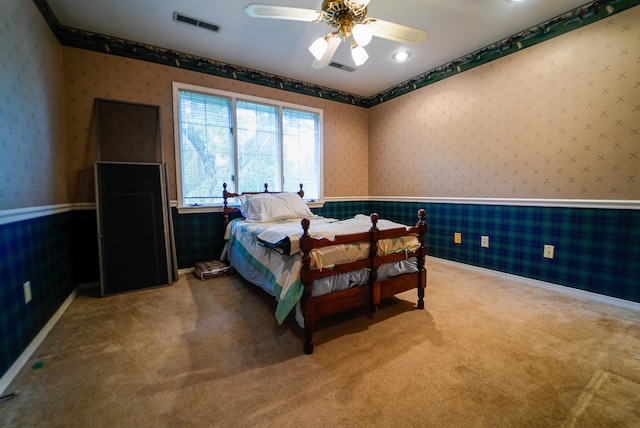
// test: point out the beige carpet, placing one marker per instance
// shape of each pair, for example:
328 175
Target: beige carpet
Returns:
486 352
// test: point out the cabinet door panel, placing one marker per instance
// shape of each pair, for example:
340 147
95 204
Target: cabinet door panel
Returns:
132 227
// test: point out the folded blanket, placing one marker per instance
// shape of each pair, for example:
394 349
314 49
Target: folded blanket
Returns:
282 246
286 235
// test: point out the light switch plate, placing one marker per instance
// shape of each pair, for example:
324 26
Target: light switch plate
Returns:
27 291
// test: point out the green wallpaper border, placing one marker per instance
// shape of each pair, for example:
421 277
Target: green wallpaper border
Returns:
584 15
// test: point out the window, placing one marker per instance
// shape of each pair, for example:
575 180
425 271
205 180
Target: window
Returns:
244 141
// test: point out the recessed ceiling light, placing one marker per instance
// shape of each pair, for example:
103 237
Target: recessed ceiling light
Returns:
401 56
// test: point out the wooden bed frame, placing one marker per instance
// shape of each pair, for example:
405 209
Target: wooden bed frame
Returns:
315 308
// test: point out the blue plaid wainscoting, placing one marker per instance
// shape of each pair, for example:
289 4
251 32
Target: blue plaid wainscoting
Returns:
596 250
199 237
39 250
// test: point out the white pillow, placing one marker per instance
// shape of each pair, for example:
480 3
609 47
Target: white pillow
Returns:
296 204
244 201
272 207
246 208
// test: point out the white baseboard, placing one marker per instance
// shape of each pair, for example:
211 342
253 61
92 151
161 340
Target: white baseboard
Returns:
185 271
546 285
15 368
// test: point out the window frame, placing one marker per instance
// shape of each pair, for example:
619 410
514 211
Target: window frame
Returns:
177 87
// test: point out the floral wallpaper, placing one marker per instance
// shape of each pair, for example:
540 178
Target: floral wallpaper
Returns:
558 120
32 114
89 75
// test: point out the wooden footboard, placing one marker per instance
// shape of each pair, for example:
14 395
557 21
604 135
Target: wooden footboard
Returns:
315 308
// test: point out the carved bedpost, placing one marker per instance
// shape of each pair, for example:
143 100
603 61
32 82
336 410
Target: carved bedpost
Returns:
374 291
266 187
422 252
225 208
301 192
306 245
374 221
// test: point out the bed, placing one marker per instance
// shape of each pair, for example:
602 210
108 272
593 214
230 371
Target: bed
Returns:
316 267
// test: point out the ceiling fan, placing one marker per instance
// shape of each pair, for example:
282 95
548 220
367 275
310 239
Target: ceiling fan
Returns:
349 17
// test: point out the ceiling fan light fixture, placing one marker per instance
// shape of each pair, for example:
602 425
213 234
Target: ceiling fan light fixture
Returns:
319 47
401 56
362 34
359 55
350 21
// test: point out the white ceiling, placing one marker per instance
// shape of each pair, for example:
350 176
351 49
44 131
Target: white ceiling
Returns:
456 28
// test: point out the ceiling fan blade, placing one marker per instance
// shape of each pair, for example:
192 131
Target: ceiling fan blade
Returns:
396 32
256 10
334 42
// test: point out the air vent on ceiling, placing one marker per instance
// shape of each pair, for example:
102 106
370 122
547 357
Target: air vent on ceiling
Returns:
193 21
342 67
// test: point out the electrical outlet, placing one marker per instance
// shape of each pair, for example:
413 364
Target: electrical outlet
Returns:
27 291
484 241
457 238
548 251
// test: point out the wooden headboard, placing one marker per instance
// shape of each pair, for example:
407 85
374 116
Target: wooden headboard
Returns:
226 195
